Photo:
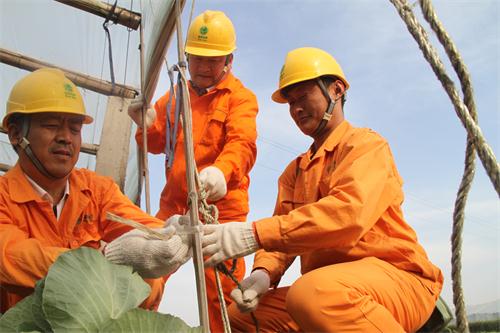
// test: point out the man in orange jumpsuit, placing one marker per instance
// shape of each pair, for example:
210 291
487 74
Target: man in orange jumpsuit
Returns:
224 134
48 207
339 209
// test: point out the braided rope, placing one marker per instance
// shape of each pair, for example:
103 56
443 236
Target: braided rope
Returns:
467 113
469 169
210 215
484 151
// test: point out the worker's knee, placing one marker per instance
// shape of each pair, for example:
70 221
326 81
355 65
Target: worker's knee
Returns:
302 299
315 299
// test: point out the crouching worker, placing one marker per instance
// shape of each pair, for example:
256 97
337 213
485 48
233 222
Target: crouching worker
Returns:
47 206
339 209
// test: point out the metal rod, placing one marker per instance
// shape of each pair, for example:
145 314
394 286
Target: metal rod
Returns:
118 15
190 175
85 81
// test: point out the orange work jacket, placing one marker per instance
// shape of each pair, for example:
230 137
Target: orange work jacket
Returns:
31 238
339 205
224 135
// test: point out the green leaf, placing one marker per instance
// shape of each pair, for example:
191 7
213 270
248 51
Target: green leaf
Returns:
140 320
17 315
36 308
83 290
28 327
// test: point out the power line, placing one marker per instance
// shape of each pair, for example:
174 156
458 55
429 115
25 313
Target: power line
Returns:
278 145
449 211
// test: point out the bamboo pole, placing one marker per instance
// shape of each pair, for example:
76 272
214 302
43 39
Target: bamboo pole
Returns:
145 105
88 148
118 15
157 55
190 175
85 81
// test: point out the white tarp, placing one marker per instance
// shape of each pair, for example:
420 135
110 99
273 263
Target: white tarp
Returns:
73 39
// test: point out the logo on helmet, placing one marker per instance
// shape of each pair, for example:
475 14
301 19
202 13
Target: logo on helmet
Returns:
68 91
203 32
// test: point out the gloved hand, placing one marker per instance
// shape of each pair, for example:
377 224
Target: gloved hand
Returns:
254 286
150 257
177 221
182 226
135 112
229 240
213 181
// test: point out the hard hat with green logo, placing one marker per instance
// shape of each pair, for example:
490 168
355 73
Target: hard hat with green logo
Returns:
45 90
210 35
305 64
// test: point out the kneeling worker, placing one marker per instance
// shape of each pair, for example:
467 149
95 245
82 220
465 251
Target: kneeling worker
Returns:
47 206
339 209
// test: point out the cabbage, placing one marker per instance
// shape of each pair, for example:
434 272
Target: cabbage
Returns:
84 292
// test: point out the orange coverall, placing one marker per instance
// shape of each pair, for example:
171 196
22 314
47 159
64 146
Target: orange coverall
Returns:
31 238
224 135
363 268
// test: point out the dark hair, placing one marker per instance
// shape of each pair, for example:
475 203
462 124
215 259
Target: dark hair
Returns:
327 79
17 118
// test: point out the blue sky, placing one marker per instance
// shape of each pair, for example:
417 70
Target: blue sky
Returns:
393 91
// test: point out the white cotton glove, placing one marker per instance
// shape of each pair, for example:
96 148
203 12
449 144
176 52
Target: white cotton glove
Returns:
254 286
182 225
213 181
150 257
229 240
177 221
135 112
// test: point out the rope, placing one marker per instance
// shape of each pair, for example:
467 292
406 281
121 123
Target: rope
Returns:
129 30
483 149
210 215
110 48
469 169
467 113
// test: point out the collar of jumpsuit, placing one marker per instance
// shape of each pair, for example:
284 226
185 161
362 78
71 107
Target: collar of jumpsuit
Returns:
57 207
224 83
329 145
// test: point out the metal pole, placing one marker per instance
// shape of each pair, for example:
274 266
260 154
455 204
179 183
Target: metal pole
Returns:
190 175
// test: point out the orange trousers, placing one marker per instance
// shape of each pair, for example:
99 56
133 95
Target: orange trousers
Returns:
368 295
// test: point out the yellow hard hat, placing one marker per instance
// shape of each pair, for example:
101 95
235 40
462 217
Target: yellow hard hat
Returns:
45 90
306 63
210 35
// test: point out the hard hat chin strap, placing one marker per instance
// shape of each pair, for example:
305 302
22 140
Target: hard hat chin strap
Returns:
25 145
225 70
329 110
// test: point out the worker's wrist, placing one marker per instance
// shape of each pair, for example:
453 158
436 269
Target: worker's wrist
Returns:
256 235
